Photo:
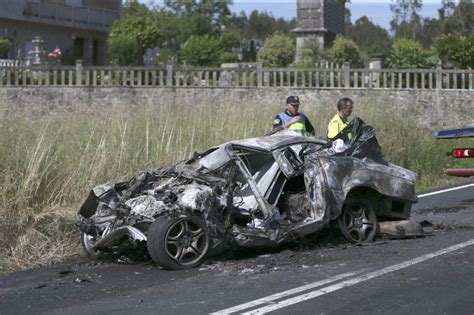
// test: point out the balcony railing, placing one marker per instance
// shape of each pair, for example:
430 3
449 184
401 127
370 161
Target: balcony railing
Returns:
254 77
84 17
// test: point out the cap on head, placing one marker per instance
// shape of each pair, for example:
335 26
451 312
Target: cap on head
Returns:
292 99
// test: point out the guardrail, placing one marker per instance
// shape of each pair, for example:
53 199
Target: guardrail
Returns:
169 76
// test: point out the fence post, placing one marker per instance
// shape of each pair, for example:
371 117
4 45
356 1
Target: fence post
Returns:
169 75
439 77
347 75
259 75
79 72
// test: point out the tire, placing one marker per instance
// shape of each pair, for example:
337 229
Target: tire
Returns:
88 242
178 243
358 222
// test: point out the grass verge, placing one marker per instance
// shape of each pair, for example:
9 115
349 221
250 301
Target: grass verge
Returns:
48 165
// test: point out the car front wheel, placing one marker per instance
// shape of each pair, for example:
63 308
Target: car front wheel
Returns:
88 243
358 222
178 242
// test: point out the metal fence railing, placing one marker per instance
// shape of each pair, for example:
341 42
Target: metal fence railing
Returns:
258 77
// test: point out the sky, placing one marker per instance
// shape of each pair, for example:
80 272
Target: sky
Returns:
378 11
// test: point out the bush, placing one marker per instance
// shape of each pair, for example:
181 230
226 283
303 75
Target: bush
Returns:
311 53
122 49
277 51
408 54
456 50
4 45
227 56
230 39
141 29
202 50
343 50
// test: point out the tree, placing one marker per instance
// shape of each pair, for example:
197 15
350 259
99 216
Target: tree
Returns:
347 19
262 24
369 37
430 29
216 11
202 50
403 10
405 20
447 9
230 38
135 8
408 54
343 50
141 28
461 21
122 49
456 50
4 45
168 26
257 27
277 51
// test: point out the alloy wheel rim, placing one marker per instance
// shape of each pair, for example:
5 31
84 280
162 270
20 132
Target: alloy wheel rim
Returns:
357 223
186 242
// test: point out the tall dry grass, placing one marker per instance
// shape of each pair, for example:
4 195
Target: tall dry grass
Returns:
48 165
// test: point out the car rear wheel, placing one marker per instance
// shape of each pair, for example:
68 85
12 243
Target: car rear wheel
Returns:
178 243
358 222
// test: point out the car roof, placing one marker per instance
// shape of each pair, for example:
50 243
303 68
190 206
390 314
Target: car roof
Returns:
277 140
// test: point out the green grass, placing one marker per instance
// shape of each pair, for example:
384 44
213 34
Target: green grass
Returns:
48 165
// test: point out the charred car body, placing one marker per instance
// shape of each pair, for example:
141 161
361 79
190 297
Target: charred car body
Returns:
251 193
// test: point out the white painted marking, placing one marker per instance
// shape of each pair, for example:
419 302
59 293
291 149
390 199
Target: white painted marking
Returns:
445 190
356 280
341 285
284 294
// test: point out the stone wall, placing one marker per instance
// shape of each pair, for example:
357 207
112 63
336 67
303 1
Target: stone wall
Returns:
432 108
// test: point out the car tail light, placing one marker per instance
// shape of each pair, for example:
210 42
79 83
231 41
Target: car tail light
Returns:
463 153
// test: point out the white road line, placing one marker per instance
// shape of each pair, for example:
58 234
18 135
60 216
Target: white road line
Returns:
338 286
445 190
356 280
284 294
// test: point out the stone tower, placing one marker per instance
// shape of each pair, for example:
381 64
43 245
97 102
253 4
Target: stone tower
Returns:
318 20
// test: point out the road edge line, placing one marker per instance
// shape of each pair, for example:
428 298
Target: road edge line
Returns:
445 190
358 279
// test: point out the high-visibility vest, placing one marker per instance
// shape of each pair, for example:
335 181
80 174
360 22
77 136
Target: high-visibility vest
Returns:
336 125
297 126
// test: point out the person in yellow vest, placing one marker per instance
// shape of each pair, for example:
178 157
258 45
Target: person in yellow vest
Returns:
341 119
292 119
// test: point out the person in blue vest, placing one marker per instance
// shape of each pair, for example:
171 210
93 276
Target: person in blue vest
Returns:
292 119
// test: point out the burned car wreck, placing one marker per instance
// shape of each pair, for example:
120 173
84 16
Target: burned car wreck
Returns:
249 193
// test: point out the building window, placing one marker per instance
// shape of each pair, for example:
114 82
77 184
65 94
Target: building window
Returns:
95 52
78 48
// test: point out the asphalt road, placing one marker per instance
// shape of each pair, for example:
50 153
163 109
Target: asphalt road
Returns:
429 275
